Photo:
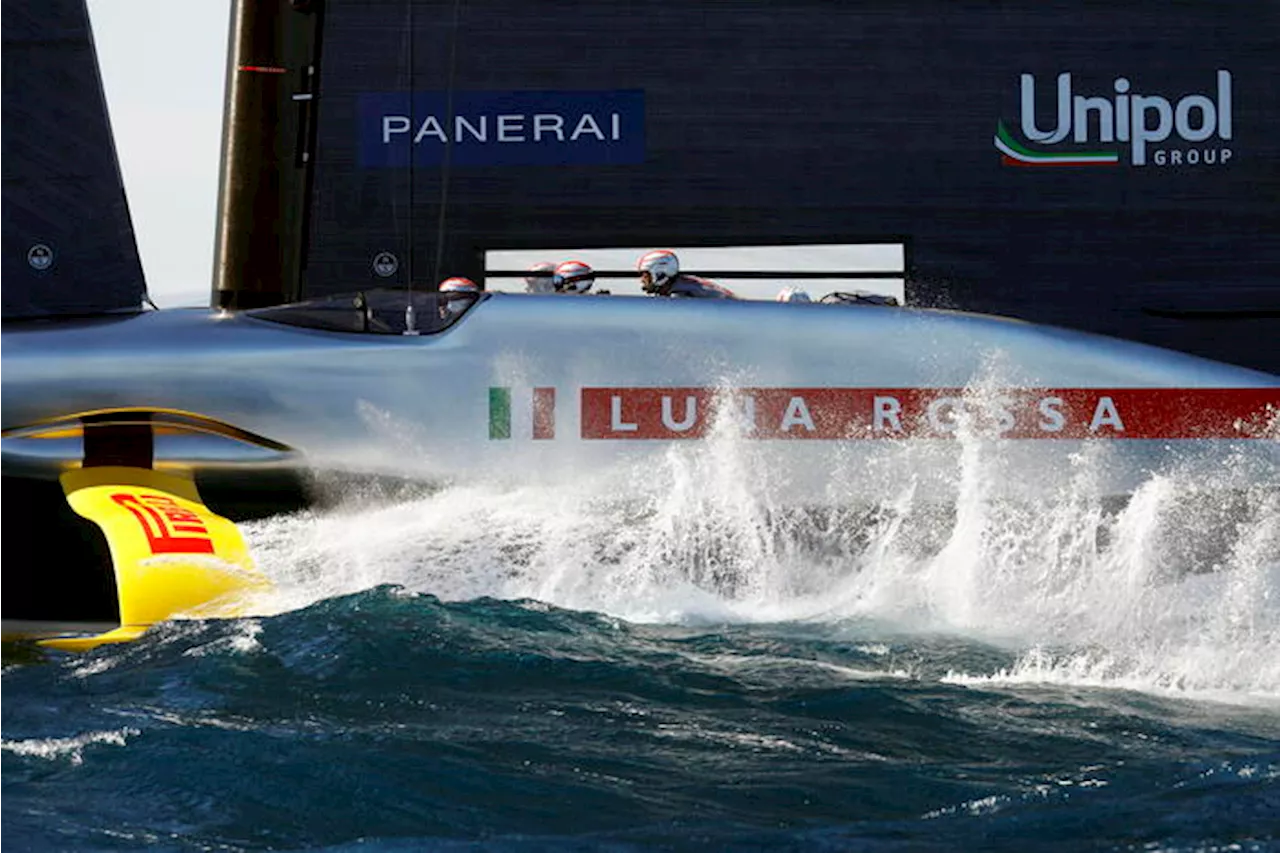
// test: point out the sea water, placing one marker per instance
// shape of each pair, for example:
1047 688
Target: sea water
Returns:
487 666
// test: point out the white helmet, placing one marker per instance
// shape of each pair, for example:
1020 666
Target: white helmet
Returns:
539 276
793 294
573 277
657 269
459 284
453 295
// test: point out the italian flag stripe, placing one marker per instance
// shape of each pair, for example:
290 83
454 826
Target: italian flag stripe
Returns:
544 413
536 414
499 412
1023 156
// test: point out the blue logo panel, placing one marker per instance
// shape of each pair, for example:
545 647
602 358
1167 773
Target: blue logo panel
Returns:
502 128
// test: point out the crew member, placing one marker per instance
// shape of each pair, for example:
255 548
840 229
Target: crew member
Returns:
660 276
456 295
574 277
538 278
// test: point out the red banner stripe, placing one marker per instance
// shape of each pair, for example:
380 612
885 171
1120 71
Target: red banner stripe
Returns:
871 413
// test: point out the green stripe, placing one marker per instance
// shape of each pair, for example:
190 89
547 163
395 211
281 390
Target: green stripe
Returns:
499 413
1007 138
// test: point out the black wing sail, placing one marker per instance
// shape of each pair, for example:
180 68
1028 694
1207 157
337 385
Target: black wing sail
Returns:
997 143
68 242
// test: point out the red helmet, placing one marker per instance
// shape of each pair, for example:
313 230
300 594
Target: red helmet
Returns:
574 277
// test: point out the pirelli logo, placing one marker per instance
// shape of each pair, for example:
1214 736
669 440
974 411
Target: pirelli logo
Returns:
169 527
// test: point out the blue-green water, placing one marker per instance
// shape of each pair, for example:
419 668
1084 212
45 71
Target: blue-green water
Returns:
384 721
524 675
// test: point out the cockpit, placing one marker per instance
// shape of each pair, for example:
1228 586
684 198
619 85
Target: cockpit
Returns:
375 312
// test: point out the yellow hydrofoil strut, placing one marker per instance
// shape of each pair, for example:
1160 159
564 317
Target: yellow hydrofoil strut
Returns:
172 555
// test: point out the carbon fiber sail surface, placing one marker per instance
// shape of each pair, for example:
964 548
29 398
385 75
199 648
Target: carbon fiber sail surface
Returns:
1102 168
68 241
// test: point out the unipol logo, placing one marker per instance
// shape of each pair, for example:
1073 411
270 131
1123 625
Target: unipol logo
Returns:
1094 129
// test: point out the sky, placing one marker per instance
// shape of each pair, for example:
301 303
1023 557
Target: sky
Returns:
163 68
164 71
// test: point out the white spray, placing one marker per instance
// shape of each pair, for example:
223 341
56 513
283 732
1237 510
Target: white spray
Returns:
1174 588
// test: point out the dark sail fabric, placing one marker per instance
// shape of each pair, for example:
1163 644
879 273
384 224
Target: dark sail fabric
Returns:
68 242
1107 168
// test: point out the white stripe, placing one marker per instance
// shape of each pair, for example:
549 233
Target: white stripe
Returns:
1023 158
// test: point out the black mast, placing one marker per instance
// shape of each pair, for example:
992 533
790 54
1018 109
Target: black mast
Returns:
268 138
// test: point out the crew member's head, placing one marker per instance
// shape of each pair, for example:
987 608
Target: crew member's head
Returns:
658 269
573 277
793 294
538 277
456 294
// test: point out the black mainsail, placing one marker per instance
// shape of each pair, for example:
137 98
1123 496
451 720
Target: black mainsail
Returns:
68 241
1135 196
1107 169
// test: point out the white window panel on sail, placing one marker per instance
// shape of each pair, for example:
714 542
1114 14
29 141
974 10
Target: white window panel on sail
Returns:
888 258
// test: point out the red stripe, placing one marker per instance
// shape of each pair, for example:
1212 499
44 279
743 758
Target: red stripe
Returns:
264 69
544 413
861 413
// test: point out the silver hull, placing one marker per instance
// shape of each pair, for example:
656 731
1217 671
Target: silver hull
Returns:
822 402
